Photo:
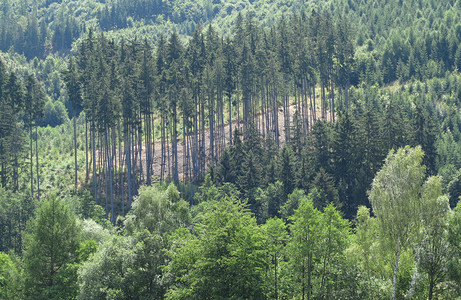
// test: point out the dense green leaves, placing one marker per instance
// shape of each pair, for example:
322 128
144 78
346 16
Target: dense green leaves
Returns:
226 258
51 245
310 103
11 277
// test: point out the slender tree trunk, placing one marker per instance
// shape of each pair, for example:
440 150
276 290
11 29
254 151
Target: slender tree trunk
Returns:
394 279
315 107
323 100
120 168
162 161
276 117
101 175
148 149
332 108
153 145
230 120
431 286
267 103
309 276
211 120
111 183
168 138
174 147
141 168
3 175
275 277
86 151
194 146
93 149
105 168
15 172
188 154
346 96
184 146
287 118
128 162
31 164
133 153
36 163
303 285
203 140
223 136
75 147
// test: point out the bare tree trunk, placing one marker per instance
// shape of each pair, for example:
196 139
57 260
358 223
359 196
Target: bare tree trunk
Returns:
276 117
93 145
230 120
431 286
128 162
31 164
162 161
309 276
211 120
75 148
148 148
36 164
314 107
109 164
139 151
174 147
332 108
86 151
394 279
323 100
120 168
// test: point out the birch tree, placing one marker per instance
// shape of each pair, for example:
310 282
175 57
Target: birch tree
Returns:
395 199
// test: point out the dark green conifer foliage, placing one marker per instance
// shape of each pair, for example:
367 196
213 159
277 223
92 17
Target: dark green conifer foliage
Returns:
323 191
321 141
288 172
250 177
425 134
345 161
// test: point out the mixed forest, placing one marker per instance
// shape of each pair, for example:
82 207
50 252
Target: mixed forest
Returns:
263 149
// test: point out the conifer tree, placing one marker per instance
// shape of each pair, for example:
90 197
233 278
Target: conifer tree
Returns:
51 244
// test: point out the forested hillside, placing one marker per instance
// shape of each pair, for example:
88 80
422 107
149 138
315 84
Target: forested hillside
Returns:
154 149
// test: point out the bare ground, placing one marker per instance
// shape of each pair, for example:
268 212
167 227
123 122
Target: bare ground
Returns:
181 167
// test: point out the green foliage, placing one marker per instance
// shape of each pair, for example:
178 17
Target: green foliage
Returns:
382 87
369 257
11 277
395 196
158 211
434 251
405 209
103 276
51 245
269 201
130 266
276 235
15 211
55 114
225 258
292 204
454 237
316 247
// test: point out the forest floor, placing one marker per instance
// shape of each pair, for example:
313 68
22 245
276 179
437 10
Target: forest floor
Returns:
157 160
